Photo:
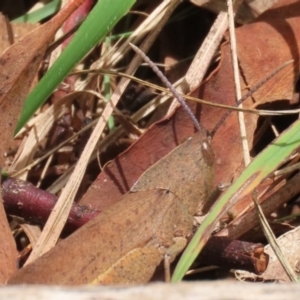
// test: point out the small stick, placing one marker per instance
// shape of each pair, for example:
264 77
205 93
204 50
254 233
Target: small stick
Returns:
167 83
237 83
23 199
234 254
167 267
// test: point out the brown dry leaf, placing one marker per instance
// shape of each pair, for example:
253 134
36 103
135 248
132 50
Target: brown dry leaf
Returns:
290 246
19 64
276 41
9 33
21 29
8 251
6 34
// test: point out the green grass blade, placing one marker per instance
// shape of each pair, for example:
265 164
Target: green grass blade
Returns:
264 164
40 14
98 23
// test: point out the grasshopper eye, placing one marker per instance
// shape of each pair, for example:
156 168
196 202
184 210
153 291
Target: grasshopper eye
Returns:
207 152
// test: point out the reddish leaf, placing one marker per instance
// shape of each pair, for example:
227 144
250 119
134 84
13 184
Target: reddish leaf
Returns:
276 40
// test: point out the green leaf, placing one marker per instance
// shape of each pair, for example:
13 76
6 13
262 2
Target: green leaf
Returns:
265 163
99 22
40 14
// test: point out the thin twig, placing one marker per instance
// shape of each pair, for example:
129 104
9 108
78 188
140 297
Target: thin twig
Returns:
237 81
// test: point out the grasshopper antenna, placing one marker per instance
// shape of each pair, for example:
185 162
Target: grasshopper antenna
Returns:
248 94
182 101
167 84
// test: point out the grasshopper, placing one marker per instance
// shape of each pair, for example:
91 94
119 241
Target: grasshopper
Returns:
126 242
